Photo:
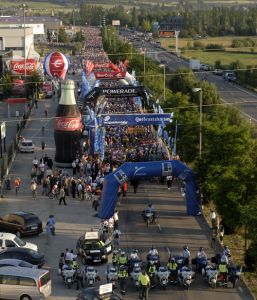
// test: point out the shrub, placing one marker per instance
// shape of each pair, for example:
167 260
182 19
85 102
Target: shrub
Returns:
214 47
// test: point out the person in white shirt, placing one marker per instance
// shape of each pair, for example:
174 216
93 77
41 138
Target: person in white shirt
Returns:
186 255
153 251
116 219
35 162
134 255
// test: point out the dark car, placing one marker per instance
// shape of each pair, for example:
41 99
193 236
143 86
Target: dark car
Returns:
21 223
93 294
92 249
27 255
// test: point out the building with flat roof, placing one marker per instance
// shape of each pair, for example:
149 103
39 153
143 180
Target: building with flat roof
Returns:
49 22
14 38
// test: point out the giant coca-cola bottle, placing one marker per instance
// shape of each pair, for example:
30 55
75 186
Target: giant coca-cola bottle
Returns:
67 127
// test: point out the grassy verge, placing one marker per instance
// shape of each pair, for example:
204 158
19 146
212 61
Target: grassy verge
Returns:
236 244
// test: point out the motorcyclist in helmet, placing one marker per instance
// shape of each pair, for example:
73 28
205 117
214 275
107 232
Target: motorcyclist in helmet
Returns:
173 268
225 255
134 255
122 260
186 255
153 251
201 259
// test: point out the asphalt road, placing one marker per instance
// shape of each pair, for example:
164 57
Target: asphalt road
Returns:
230 93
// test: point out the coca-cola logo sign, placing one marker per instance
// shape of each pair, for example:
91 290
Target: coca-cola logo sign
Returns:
17 67
67 124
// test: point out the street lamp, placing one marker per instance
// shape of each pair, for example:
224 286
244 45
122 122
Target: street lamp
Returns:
164 80
24 36
199 90
130 50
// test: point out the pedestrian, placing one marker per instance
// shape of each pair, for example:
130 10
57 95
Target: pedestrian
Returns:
74 167
169 181
214 221
52 222
36 103
135 183
144 282
35 162
62 196
17 184
43 130
95 203
33 187
45 186
116 219
46 113
80 273
116 238
43 144
221 233
124 188
48 232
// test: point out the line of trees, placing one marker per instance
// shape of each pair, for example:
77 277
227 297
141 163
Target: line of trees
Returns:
214 21
227 170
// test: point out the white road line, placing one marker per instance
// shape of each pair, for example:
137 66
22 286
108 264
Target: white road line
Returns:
168 250
159 226
240 289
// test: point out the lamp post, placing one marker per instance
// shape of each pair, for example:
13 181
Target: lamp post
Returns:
164 80
199 90
24 36
144 63
130 50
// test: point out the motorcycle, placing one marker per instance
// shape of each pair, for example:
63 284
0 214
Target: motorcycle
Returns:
91 276
153 260
69 276
148 217
235 275
163 275
200 263
179 260
134 274
211 272
185 276
112 276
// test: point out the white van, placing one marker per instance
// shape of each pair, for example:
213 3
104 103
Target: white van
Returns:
26 146
9 240
24 283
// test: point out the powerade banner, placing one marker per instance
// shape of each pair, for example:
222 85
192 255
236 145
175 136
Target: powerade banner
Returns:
110 75
128 91
136 119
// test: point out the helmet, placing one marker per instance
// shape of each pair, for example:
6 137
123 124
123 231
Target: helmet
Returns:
135 250
225 247
185 247
172 259
122 268
122 253
150 204
201 249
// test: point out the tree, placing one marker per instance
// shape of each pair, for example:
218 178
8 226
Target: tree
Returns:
146 25
62 36
134 18
7 85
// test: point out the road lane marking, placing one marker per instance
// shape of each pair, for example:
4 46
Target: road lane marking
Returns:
159 227
168 250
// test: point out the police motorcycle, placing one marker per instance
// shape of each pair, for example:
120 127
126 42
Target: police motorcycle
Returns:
211 273
153 258
134 274
235 274
149 215
185 276
163 276
200 261
68 273
112 275
91 275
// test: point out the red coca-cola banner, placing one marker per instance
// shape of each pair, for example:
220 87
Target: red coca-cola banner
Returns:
67 124
110 75
17 67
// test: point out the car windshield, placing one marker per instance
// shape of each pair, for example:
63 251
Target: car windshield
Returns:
93 245
19 242
27 144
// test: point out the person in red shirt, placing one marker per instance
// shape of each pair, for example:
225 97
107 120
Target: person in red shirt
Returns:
17 184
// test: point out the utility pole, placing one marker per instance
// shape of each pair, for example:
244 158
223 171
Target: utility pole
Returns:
24 36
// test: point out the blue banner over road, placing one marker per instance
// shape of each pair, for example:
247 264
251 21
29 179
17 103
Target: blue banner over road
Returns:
135 119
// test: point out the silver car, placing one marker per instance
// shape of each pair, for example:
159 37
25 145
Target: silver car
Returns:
12 262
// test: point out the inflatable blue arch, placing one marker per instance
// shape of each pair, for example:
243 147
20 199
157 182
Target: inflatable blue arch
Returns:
130 170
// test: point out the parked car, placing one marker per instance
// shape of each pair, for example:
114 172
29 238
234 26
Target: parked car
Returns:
26 146
92 249
9 240
12 262
92 293
21 223
24 283
27 255
218 72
